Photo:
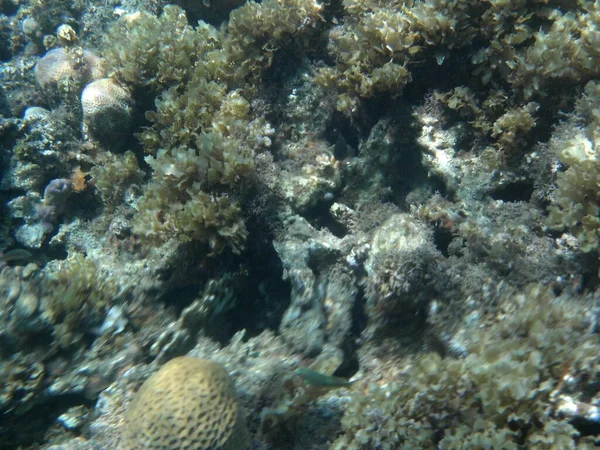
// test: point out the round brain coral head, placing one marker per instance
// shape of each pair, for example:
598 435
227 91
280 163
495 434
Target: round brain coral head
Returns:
55 66
106 109
62 70
189 404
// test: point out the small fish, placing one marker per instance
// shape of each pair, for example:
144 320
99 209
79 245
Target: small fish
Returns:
15 255
319 379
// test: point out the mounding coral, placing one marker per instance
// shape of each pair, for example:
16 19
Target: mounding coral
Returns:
188 403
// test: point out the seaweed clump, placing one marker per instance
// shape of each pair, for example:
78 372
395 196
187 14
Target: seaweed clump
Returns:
114 175
576 199
203 135
68 300
518 59
81 295
375 48
504 394
380 44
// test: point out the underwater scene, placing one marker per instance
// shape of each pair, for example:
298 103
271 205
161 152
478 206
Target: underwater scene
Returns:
299 224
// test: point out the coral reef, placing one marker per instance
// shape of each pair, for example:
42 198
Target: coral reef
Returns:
50 15
396 199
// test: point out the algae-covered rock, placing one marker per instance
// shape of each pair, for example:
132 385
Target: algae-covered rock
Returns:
401 268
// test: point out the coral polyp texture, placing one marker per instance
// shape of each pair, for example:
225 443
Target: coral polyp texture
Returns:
189 404
106 109
66 70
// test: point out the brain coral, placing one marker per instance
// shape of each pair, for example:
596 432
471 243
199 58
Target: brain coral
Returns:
106 108
60 68
189 404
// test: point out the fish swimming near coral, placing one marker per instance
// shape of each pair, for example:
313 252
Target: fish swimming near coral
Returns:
16 255
319 379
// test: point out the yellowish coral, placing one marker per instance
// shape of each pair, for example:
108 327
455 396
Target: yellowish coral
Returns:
189 403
